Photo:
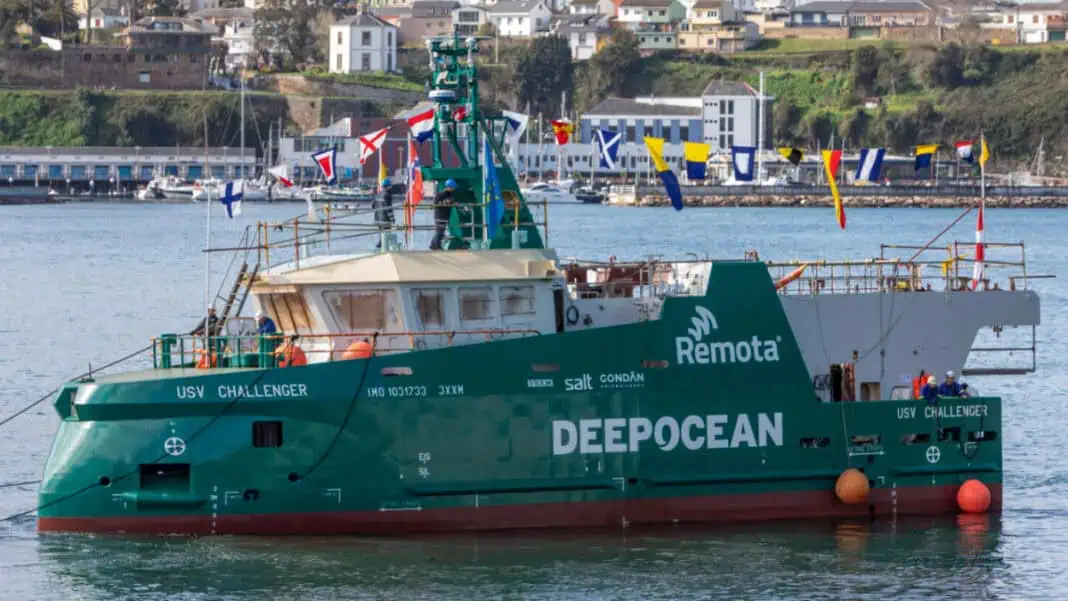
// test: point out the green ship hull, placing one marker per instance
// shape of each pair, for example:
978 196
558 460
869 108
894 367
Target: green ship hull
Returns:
707 414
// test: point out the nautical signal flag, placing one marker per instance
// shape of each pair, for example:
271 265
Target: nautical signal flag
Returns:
327 162
794 155
370 143
230 195
964 151
870 164
460 113
516 125
422 125
832 159
607 142
383 173
743 158
667 177
984 151
414 193
980 250
281 173
923 155
562 129
696 155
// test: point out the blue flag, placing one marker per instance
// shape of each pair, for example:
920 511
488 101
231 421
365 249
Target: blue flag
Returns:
492 187
608 146
230 195
743 157
870 164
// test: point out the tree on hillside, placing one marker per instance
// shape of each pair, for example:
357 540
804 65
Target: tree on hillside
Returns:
854 127
865 70
894 76
165 8
947 68
818 126
613 69
784 117
542 72
288 35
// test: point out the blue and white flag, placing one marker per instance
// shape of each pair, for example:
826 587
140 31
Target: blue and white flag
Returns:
230 195
492 187
743 158
607 146
870 164
327 162
517 124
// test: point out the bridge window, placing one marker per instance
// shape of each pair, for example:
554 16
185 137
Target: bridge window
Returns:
517 300
429 307
476 304
362 310
289 310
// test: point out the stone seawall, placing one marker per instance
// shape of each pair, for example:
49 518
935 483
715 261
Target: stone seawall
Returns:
652 200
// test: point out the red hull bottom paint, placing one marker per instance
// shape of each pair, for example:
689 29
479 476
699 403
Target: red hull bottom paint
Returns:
911 501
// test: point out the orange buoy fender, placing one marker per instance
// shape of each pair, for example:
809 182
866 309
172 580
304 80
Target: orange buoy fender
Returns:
793 275
361 349
206 360
852 487
292 356
973 497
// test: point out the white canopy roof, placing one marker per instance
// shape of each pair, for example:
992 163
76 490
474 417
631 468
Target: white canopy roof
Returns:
416 266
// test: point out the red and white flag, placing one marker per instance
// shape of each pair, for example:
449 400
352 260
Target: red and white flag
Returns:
980 251
371 143
281 172
415 188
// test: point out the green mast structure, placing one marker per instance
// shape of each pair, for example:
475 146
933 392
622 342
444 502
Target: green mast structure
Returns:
458 122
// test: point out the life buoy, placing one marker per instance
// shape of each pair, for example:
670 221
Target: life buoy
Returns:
291 355
572 315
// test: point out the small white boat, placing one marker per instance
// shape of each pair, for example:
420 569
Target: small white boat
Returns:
351 194
254 190
546 192
169 187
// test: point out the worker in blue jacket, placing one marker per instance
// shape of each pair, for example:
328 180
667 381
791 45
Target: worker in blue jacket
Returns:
929 392
949 387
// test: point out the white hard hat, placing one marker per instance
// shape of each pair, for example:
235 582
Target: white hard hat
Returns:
211 308
259 314
951 374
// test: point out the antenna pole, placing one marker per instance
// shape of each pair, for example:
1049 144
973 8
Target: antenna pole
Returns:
207 248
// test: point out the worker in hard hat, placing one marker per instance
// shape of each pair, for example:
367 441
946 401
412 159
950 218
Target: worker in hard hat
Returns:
443 203
211 322
384 210
949 387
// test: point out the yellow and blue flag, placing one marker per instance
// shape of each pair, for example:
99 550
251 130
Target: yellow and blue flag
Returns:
923 155
671 183
696 155
984 151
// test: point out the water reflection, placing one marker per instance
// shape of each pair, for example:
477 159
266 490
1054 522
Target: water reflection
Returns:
913 559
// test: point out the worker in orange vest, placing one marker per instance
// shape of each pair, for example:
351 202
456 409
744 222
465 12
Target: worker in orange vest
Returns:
918 383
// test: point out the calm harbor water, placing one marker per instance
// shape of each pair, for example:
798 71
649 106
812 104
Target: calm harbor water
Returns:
86 283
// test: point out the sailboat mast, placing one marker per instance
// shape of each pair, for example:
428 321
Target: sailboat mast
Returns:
241 74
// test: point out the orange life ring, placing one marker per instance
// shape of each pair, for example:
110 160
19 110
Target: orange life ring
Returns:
291 355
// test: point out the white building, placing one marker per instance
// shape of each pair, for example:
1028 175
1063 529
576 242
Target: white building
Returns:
363 43
104 18
235 29
521 19
192 6
468 19
585 33
592 7
730 117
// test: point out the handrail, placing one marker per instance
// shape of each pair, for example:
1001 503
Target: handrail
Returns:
232 347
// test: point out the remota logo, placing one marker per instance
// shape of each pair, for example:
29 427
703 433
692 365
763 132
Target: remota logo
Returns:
691 349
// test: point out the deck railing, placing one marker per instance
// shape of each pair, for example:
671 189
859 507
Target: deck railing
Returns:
947 267
270 350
